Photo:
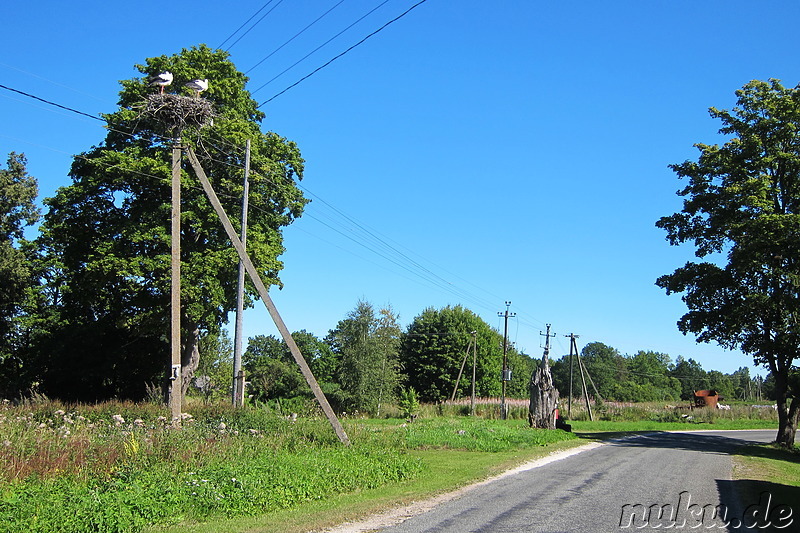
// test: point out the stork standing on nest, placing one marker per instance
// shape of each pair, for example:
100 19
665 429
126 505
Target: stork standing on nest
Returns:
162 80
197 86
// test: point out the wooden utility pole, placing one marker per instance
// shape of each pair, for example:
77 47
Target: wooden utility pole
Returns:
474 366
506 375
264 294
572 345
238 374
175 386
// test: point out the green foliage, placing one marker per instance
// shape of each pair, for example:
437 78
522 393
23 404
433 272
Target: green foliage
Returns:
649 376
408 402
103 468
214 375
18 193
105 241
471 434
434 347
273 373
366 347
742 214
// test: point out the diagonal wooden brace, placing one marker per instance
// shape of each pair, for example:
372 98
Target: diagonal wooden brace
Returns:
262 292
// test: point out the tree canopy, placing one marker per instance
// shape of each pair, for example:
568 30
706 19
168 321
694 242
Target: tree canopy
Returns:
106 238
365 344
742 214
434 347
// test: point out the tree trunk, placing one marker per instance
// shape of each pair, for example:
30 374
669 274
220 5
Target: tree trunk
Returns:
190 357
787 422
544 397
788 415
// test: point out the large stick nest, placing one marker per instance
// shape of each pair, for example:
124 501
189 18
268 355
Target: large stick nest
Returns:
176 112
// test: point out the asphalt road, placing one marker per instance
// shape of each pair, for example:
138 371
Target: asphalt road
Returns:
621 486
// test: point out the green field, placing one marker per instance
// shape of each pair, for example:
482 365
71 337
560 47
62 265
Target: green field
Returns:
119 467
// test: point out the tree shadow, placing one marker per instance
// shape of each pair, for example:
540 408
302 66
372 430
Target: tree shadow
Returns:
700 442
754 505
749 504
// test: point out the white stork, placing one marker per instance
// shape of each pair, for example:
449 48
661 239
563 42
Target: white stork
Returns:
162 80
197 86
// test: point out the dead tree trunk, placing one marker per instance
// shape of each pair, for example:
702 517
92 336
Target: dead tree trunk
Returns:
544 397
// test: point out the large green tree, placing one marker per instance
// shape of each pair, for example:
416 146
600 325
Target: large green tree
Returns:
434 347
106 236
742 214
18 193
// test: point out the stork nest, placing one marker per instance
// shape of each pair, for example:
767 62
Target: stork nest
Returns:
176 112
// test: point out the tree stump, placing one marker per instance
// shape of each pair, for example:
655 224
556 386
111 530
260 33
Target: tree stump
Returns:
544 397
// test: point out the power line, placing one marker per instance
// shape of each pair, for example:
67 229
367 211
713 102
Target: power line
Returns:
49 102
284 71
294 36
298 82
370 239
253 26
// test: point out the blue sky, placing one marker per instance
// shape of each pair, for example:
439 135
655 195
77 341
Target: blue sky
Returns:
469 153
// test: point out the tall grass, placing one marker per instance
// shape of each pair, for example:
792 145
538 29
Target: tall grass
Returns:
119 467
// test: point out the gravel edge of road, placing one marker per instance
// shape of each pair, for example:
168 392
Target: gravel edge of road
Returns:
399 514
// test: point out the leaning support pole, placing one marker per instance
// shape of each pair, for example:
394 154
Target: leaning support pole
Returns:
583 385
262 292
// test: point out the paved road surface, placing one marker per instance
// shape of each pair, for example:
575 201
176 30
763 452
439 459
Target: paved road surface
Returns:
678 473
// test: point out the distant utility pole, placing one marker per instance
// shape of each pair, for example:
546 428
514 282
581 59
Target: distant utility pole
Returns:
175 384
506 374
547 340
572 344
474 361
573 348
238 374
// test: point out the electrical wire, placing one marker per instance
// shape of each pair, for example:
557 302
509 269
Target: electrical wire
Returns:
296 35
254 25
290 67
298 82
339 222
49 102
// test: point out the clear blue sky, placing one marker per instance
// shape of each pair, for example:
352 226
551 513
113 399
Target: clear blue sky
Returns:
469 153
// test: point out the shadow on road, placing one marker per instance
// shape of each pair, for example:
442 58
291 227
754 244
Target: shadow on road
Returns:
683 441
760 505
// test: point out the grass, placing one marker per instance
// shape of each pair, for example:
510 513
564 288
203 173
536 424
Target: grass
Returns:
443 472
768 462
120 467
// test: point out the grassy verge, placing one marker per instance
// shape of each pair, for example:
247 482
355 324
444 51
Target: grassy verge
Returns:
767 462
444 471
121 467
